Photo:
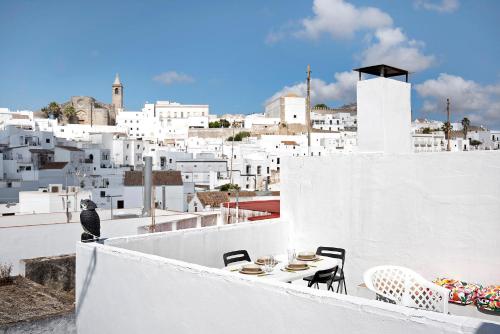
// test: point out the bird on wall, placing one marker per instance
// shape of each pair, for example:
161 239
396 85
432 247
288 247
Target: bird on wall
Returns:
90 221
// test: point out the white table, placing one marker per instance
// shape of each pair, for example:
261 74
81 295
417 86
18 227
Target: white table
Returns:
279 274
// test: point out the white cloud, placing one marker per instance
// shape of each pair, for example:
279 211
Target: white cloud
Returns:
480 103
443 6
341 19
392 47
172 77
342 89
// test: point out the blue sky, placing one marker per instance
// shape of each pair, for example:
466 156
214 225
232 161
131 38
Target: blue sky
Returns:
234 55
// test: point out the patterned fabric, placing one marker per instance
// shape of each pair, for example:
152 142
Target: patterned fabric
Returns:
488 298
460 292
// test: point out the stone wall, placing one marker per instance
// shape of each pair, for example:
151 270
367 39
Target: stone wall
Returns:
55 272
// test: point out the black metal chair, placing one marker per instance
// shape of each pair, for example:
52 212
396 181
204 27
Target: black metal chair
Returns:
323 276
336 253
236 256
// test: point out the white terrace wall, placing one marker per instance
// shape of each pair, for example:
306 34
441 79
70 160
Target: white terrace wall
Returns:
122 291
205 246
437 213
26 242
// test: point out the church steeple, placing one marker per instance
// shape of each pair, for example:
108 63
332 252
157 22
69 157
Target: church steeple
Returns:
117 80
117 94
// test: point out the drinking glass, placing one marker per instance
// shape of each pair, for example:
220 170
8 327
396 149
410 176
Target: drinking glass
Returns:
269 263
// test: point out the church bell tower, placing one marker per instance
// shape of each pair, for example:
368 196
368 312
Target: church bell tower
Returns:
117 94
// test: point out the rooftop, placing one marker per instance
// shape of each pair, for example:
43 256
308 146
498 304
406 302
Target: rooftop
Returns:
382 70
53 165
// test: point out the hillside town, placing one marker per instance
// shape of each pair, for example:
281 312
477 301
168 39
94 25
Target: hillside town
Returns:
249 166
90 149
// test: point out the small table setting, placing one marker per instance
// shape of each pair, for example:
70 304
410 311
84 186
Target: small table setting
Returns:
284 267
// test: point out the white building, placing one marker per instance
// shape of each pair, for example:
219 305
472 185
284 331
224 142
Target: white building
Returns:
163 120
260 121
170 192
290 109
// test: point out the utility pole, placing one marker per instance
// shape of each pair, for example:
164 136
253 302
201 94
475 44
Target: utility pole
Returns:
448 128
232 154
152 228
308 109
110 198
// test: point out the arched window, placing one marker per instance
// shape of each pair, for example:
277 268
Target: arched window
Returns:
117 91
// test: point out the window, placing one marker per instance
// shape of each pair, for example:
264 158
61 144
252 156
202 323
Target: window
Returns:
249 169
267 170
170 160
47 140
103 194
259 170
117 91
294 116
128 145
278 161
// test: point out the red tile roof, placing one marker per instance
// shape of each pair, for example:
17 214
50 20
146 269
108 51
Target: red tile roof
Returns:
54 165
271 206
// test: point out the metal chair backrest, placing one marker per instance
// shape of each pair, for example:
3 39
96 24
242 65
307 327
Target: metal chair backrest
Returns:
236 256
325 275
405 287
336 253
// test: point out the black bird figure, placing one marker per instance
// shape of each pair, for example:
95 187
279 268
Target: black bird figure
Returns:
90 221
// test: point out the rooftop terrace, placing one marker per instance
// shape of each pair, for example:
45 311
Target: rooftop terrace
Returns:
386 209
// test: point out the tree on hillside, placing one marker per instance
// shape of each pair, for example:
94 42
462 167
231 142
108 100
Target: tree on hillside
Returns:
53 110
239 136
321 106
224 123
229 186
214 124
447 127
465 126
70 114
475 143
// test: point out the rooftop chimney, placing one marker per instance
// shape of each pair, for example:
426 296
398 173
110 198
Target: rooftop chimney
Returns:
384 111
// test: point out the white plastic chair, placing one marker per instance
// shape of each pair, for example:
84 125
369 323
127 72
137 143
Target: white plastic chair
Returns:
405 287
